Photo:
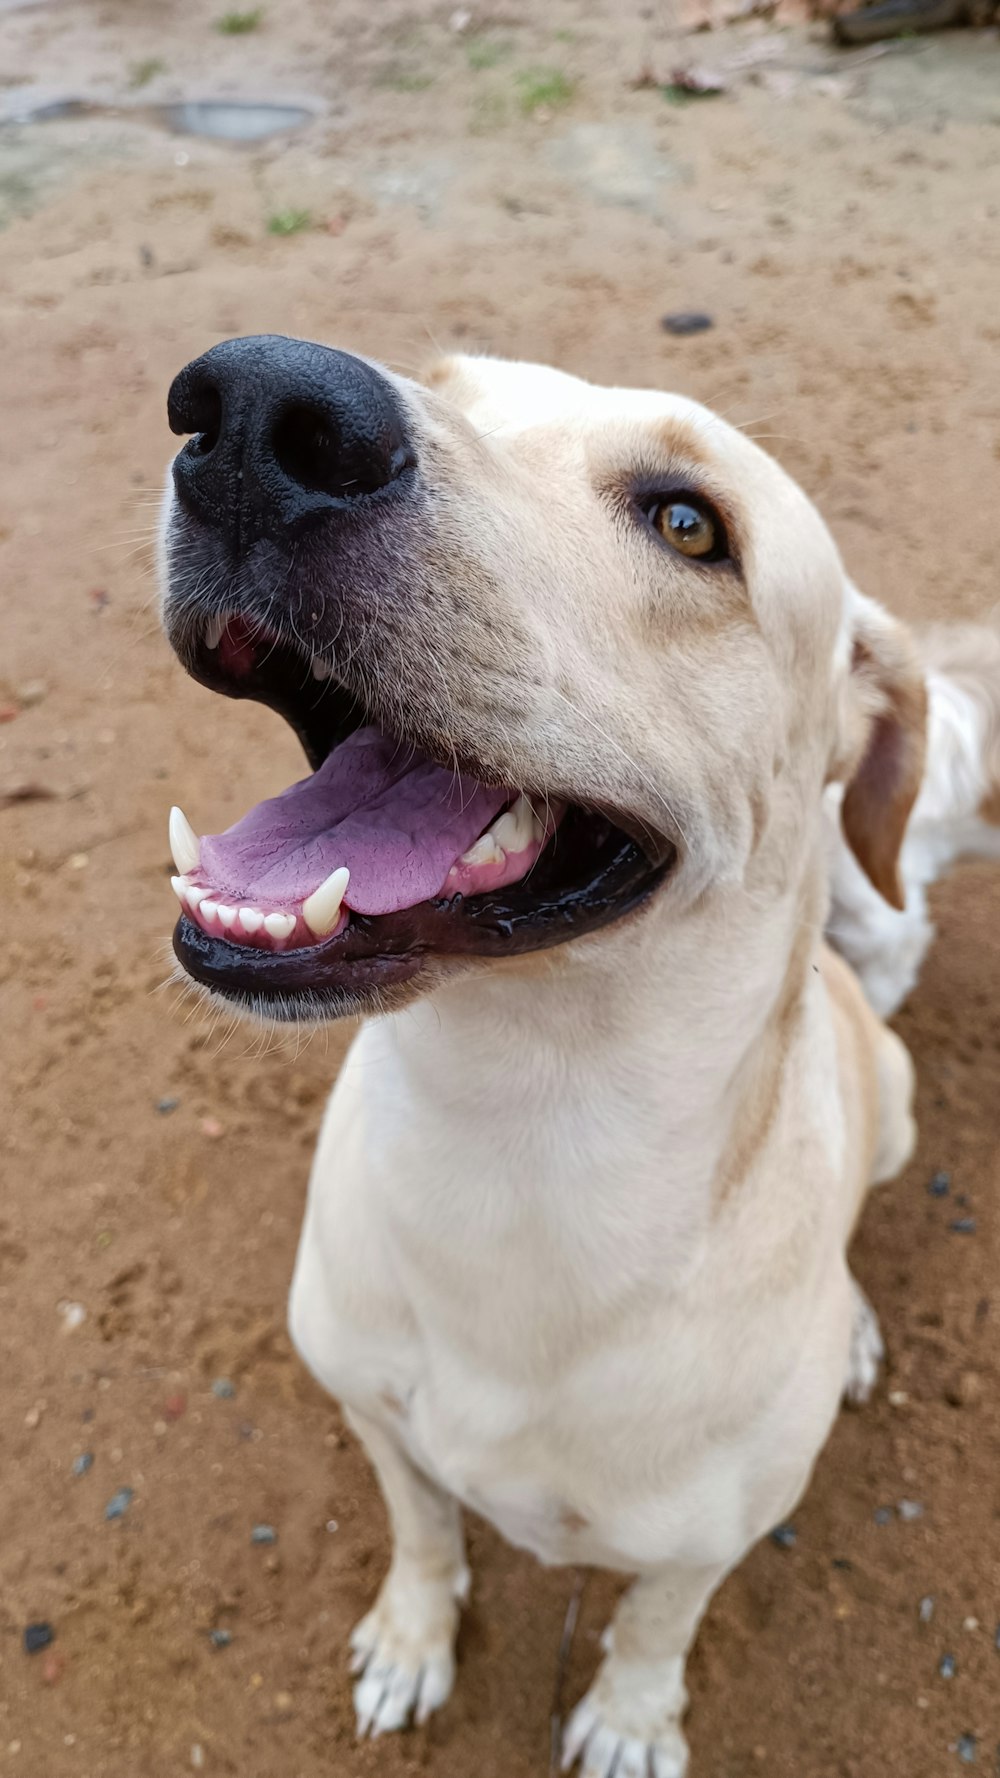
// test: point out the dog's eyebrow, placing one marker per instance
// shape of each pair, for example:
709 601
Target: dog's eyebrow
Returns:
680 439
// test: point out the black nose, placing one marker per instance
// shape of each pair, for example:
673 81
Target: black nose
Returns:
286 433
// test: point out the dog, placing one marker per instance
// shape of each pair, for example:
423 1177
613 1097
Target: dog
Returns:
595 719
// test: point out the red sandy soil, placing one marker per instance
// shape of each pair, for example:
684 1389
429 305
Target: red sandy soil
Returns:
838 218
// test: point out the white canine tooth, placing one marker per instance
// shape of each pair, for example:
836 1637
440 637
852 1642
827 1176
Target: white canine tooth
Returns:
227 916
485 851
195 896
280 925
321 909
208 908
320 669
179 888
517 828
185 846
214 629
251 919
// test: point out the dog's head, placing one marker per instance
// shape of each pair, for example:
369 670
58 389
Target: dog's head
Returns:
558 654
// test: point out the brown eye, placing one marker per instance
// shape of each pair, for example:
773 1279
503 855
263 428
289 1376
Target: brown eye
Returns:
692 530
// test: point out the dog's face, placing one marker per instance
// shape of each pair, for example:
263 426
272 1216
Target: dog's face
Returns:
558 654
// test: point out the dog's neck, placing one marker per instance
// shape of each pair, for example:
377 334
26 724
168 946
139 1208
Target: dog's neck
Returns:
620 1067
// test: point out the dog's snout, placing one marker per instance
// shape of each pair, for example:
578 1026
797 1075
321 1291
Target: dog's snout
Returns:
284 433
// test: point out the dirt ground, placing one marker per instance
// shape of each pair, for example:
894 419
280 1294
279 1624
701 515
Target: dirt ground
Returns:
518 181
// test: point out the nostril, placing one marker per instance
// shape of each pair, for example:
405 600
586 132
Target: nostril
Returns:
206 419
309 451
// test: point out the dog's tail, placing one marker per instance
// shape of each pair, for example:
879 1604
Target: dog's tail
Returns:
958 808
956 814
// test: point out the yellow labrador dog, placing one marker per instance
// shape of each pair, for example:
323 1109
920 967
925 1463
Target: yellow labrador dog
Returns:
580 679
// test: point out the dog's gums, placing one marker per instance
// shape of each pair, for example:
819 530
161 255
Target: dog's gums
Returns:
351 879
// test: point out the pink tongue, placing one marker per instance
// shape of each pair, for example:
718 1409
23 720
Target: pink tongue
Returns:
395 819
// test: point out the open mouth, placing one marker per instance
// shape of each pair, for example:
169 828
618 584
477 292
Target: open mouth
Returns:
353 881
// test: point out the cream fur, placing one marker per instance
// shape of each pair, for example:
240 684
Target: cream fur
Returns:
574 1254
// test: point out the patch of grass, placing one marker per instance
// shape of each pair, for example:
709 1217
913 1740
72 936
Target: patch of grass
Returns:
289 222
238 24
683 95
544 87
141 73
486 52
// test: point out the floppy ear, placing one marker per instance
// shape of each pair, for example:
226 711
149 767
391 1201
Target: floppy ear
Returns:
882 743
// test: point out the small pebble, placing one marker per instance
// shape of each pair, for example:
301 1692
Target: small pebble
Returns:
785 1536
283 1702
964 1390
940 1185
220 1638
53 1667
164 1106
686 321
898 1398
119 1504
966 1749
174 1406
263 1534
947 1666
910 1510
211 1127
78 860
970 1625
82 1463
963 1225
73 1316
37 1637
223 1388
926 1608
883 1515
197 1756
332 1525
33 1417
32 693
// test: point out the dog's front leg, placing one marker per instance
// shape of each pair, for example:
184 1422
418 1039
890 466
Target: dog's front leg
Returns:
629 1723
404 1649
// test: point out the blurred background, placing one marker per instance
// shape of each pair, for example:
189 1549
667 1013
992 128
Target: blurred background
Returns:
803 234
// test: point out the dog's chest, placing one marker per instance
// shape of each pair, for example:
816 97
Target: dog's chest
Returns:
478 1286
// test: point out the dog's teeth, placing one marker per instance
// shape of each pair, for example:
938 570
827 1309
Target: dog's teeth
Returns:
179 888
227 916
485 851
195 896
214 629
185 847
251 919
321 910
517 828
280 925
208 909
320 669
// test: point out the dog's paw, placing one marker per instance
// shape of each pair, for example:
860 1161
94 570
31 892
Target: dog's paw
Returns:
867 1351
404 1652
605 1753
628 1726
